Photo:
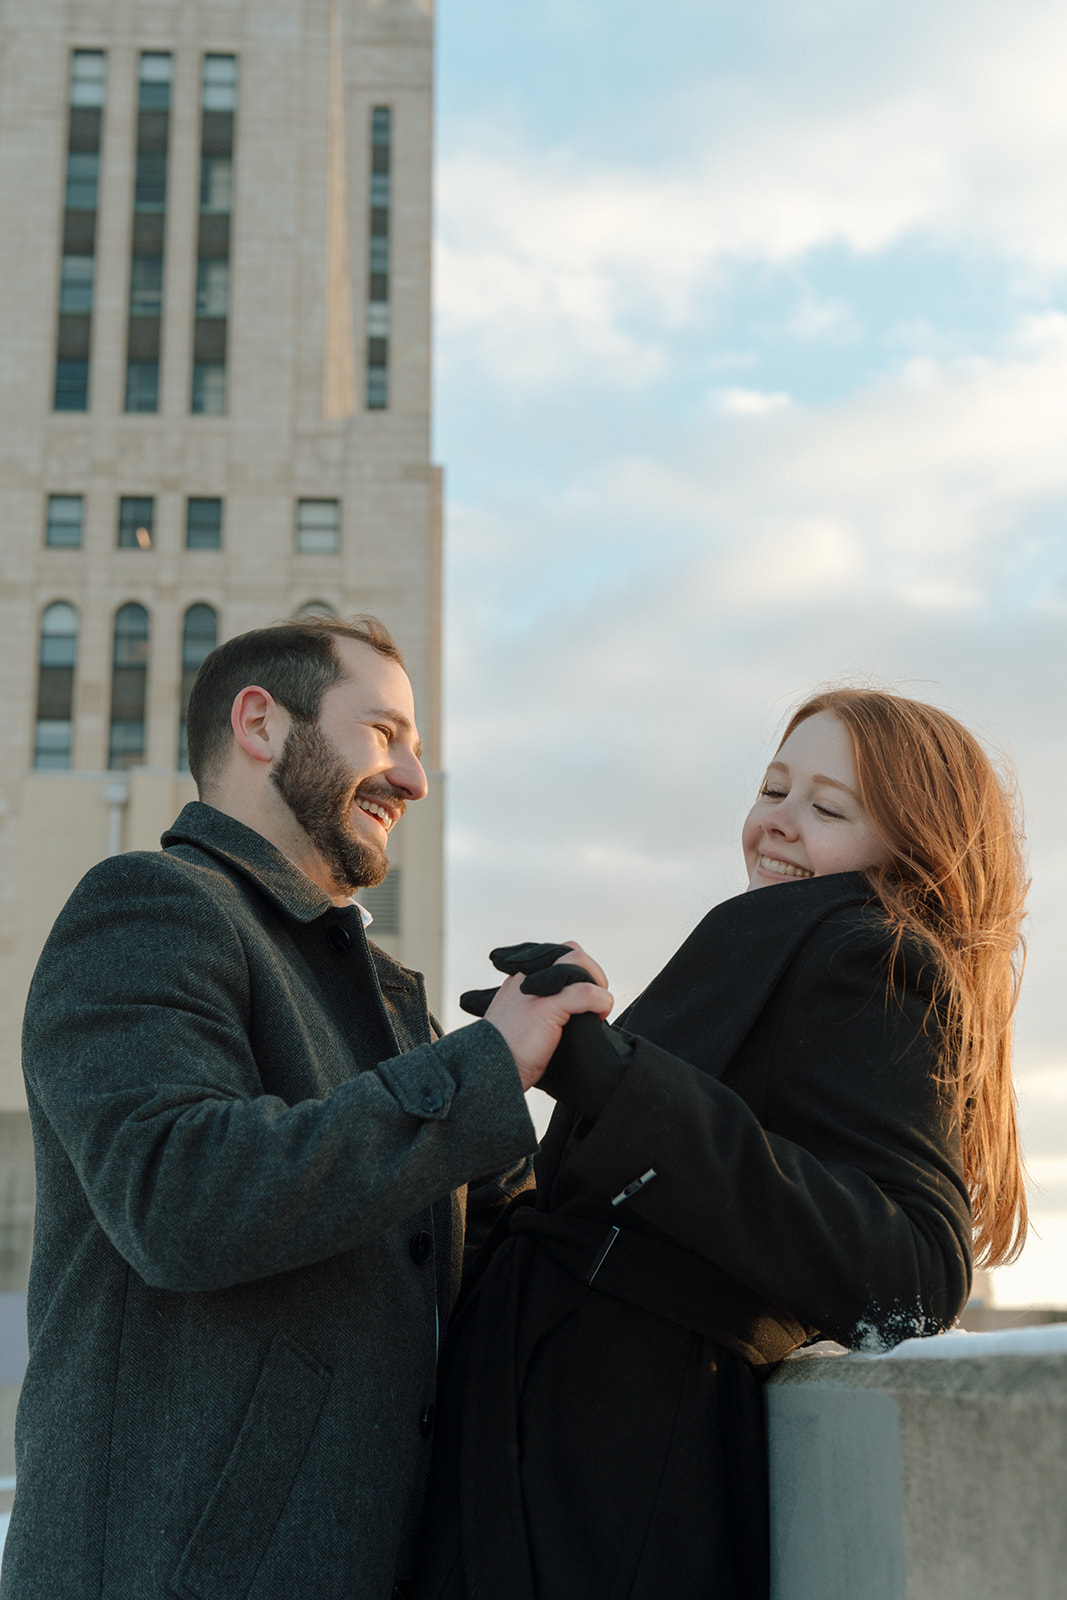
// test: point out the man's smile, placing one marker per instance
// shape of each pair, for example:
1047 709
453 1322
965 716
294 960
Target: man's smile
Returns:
387 815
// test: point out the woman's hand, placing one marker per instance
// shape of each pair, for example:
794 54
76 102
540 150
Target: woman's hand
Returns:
532 1024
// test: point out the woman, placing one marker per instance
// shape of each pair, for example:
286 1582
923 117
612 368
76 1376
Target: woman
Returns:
808 1113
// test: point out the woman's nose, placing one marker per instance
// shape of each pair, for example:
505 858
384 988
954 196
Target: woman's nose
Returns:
783 821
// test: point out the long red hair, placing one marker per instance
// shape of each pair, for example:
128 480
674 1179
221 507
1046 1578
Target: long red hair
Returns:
955 881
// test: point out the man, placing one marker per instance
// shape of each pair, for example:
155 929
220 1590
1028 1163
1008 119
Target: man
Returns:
251 1159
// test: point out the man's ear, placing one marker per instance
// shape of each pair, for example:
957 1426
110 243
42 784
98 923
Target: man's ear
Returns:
259 723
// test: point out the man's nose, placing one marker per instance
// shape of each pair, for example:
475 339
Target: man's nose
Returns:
408 777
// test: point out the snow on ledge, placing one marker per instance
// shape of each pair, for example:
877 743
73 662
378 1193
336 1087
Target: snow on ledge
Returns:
1048 1340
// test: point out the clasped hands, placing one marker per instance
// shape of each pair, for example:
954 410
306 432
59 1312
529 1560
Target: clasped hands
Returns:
547 984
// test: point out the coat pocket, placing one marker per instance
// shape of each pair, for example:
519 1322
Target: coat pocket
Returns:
231 1538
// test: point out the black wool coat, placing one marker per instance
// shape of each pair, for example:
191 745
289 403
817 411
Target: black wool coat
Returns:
601 1425
251 1164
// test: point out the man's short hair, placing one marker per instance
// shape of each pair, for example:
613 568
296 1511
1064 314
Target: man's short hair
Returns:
296 662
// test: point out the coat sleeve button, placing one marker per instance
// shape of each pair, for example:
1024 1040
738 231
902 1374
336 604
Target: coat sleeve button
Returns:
421 1247
426 1422
340 938
431 1101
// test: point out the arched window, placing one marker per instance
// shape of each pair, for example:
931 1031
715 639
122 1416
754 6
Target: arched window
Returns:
317 608
200 635
57 659
129 681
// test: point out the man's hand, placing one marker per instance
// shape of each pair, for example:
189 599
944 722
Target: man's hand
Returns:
532 1024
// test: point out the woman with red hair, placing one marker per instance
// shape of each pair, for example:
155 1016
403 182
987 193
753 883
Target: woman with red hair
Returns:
800 1130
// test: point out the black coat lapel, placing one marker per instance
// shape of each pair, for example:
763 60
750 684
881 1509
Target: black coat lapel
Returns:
711 991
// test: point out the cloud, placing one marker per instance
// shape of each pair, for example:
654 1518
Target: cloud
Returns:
751 402
556 262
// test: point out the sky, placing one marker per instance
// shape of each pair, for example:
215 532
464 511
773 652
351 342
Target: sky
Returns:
751 376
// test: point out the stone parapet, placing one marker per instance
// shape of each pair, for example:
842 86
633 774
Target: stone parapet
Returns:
936 1472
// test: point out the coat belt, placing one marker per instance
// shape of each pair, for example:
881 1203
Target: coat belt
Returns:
662 1277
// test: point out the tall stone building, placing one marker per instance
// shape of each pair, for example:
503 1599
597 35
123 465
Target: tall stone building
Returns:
214 413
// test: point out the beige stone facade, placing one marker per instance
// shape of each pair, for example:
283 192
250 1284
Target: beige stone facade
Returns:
299 316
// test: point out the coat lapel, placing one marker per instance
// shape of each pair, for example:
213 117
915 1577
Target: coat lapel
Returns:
705 1000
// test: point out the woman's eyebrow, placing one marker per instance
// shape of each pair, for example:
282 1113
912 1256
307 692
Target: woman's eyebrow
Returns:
835 783
819 777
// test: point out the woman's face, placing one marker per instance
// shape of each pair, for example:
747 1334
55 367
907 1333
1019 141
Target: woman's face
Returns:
808 820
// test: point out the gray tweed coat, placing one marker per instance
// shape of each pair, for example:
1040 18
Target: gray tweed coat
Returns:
251 1156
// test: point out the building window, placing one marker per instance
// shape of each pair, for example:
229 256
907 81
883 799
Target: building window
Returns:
209 388
383 903
142 386
219 84
203 524
83 177
129 682
317 608
377 392
146 251
136 522
72 386
218 104
216 184
153 86
318 527
88 75
86 103
63 528
212 288
57 659
150 181
200 635
76 283
146 286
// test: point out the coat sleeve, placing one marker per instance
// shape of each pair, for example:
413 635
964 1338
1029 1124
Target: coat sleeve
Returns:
137 1055
825 1175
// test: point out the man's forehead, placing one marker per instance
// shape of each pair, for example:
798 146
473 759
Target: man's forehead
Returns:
374 684
363 665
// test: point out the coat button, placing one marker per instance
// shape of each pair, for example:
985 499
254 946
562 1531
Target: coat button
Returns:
426 1422
421 1247
340 938
431 1101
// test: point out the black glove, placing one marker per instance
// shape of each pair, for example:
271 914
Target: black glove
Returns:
591 1057
545 973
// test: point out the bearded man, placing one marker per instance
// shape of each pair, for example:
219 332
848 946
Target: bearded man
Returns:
255 1153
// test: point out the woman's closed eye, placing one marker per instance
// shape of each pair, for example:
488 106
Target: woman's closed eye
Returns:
767 793
824 811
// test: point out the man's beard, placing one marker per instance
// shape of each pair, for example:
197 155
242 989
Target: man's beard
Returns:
318 788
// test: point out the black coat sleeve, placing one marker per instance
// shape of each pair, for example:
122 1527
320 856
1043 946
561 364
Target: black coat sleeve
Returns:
820 1166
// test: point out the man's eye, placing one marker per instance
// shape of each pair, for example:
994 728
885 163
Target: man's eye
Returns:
772 794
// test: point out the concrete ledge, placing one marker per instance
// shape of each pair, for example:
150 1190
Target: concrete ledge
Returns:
938 1472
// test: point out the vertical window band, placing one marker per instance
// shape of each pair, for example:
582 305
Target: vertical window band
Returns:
145 314
379 263
57 659
129 686
87 93
218 106
200 635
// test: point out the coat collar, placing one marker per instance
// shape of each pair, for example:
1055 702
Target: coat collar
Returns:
253 856
710 993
